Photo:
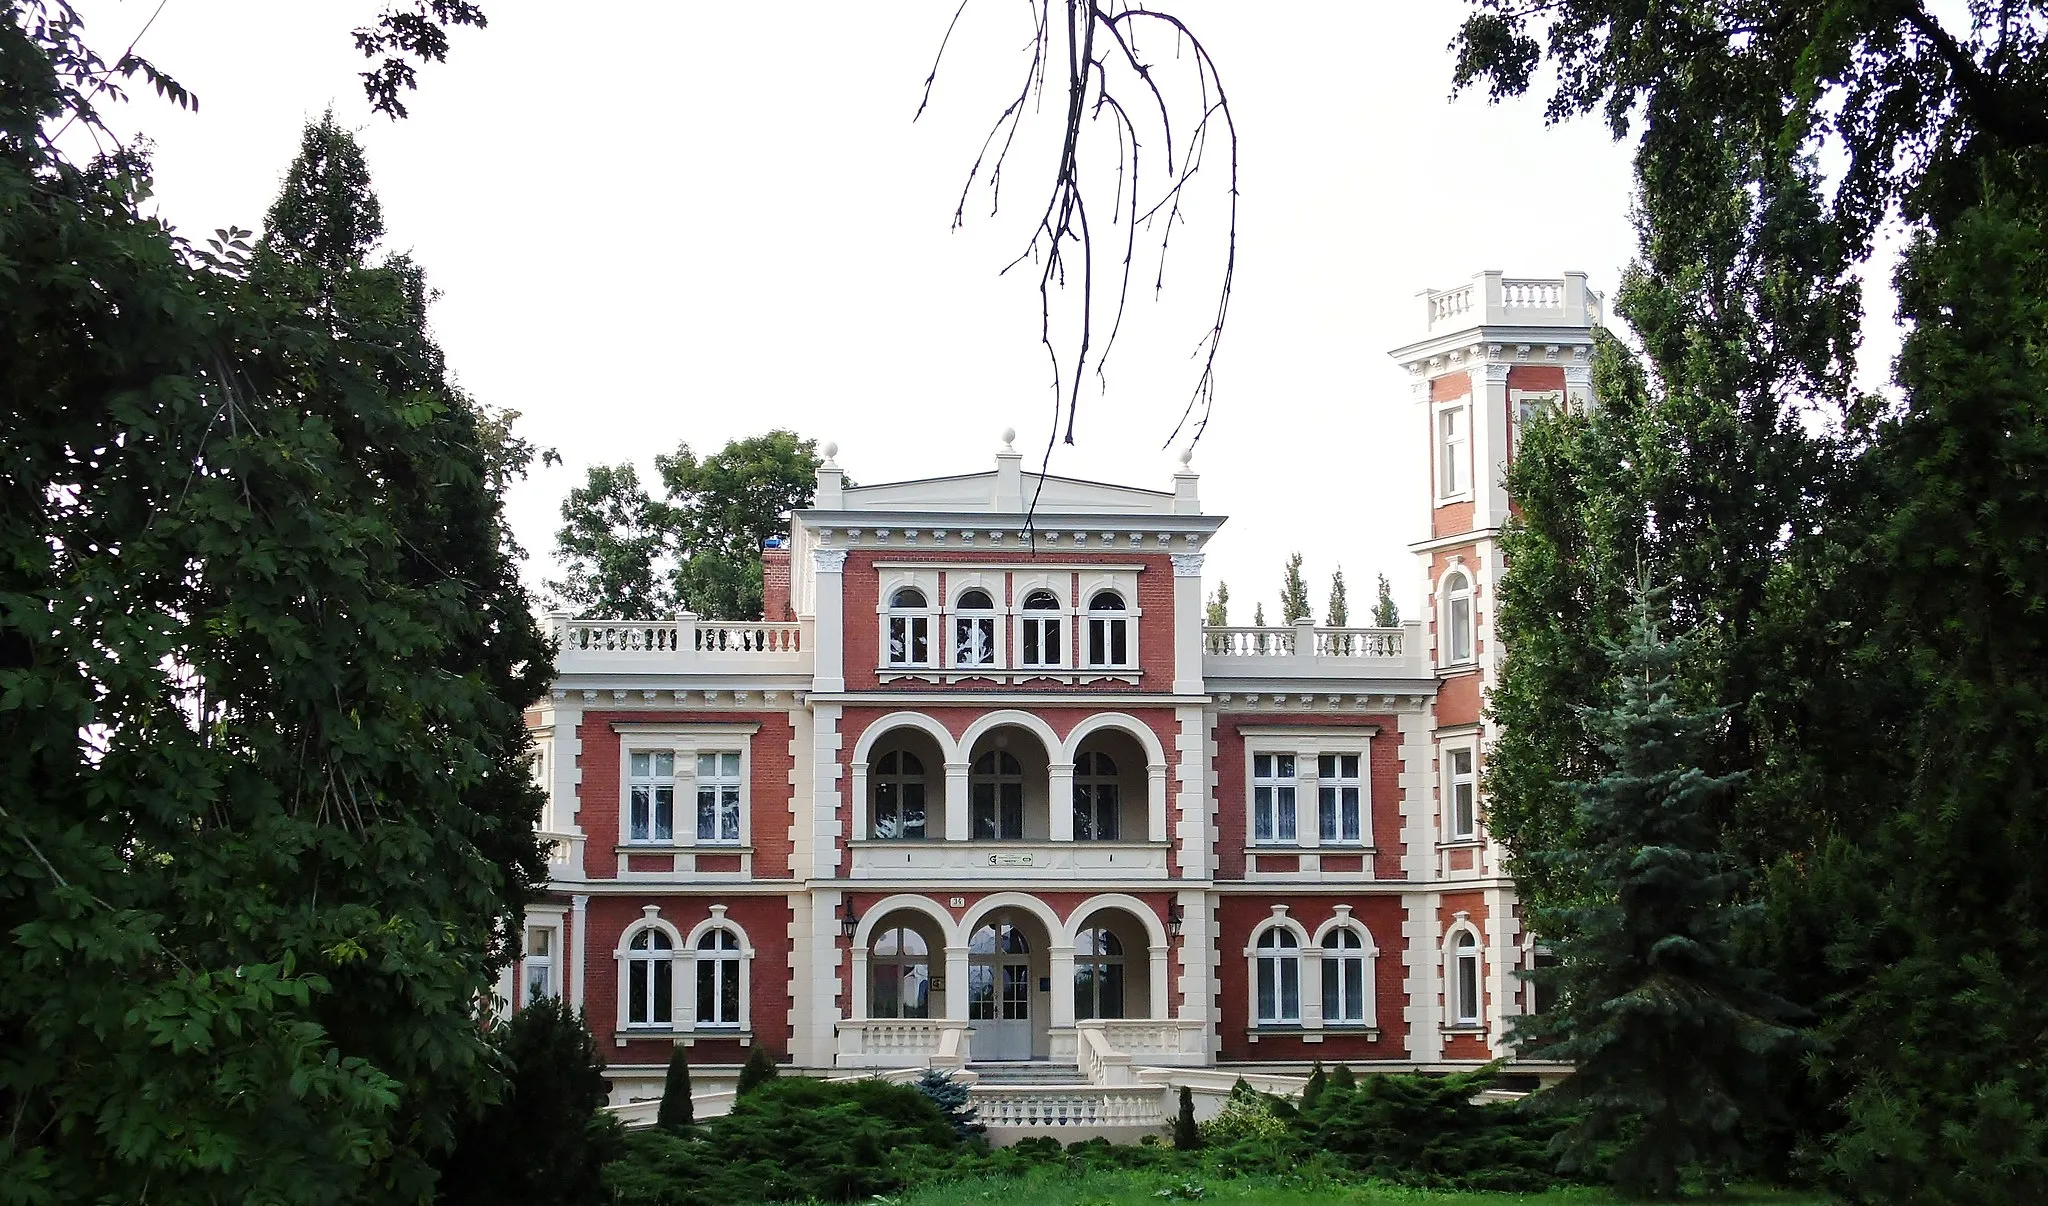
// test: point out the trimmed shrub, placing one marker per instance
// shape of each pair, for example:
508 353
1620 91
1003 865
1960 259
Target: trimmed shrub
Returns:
1247 1115
1426 1131
760 1068
1186 1136
678 1112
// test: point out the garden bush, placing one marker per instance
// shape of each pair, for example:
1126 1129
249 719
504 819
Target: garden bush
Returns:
1426 1131
791 1139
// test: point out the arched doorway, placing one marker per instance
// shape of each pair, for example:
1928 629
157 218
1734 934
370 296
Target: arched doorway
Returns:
1002 1006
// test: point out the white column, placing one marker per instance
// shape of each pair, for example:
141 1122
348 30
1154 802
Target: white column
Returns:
1312 988
829 657
1156 982
1197 983
1489 428
825 786
956 802
1187 623
1155 801
1193 827
818 978
956 983
1060 806
579 912
1424 955
1502 952
1062 985
857 805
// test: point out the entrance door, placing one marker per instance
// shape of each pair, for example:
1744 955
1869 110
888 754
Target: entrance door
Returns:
999 993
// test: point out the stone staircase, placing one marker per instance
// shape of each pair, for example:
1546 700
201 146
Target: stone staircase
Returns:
1009 1075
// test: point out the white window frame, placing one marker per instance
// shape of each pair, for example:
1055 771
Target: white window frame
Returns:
1285 829
1029 620
1112 622
913 620
652 782
554 962
1336 784
1092 782
718 783
1258 955
691 955
685 742
878 779
1449 598
1457 958
992 617
1450 440
650 923
870 960
1367 954
1453 779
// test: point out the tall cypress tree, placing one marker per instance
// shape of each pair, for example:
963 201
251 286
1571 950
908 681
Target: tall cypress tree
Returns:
1340 603
1293 592
1672 1039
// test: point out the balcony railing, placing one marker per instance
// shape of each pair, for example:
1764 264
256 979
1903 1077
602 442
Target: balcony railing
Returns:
1493 300
681 645
1304 649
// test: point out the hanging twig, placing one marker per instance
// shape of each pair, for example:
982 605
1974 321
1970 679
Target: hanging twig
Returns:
1102 45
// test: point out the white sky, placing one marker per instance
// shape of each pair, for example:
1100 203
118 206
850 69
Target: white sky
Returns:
653 223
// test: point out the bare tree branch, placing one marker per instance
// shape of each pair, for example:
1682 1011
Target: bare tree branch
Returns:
1102 43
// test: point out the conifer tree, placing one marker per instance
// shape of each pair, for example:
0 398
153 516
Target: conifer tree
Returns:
1258 615
1671 1038
760 1068
1384 613
1340 609
546 1138
678 1112
1343 1078
1187 1136
1317 1082
1219 606
1293 593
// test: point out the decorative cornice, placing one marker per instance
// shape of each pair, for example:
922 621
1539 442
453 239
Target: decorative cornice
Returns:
828 561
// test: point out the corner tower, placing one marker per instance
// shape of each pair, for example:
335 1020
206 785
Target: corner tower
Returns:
1496 350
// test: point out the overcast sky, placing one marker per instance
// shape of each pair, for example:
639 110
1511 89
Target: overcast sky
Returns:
654 223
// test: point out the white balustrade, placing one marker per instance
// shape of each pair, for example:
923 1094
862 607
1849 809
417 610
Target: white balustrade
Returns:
1450 304
901 1042
1055 1107
1531 295
1280 642
681 645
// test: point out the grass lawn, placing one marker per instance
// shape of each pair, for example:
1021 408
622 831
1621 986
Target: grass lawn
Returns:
1050 1187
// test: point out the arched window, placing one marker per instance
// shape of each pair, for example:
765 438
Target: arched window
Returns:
1457 623
909 628
974 629
718 978
1344 978
1095 797
1465 979
1108 630
1098 974
1042 629
900 975
650 979
996 788
898 806
1279 978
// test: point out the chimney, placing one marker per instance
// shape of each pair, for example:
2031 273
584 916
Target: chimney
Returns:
775 606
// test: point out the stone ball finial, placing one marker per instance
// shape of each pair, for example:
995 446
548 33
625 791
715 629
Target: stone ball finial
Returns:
1009 436
1187 454
830 450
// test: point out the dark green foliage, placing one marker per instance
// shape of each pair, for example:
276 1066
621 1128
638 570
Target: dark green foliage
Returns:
1216 613
678 1111
952 1099
545 1140
1187 1136
1949 1100
1293 592
792 1139
265 814
1425 1131
1670 1036
625 553
759 1070
1314 1088
1340 606
1384 613
1343 1078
